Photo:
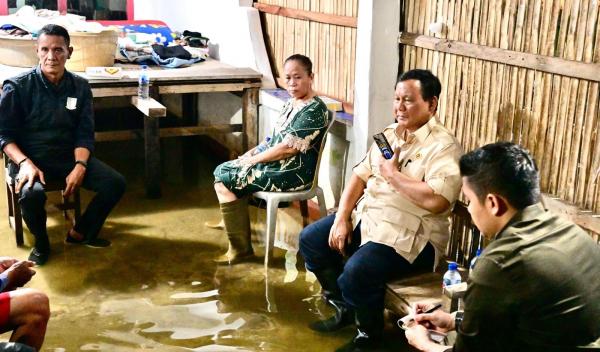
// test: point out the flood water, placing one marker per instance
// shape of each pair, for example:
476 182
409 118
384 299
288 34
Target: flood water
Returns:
157 289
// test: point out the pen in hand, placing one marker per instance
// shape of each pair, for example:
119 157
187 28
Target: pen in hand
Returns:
432 309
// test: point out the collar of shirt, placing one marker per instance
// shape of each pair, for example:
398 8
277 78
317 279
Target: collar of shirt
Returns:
49 85
419 135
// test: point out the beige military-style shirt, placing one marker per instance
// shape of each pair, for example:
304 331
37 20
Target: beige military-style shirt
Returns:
430 154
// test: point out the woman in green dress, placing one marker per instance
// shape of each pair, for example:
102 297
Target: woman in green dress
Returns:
287 161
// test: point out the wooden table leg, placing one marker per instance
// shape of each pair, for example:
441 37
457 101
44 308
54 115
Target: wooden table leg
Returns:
152 155
152 111
250 118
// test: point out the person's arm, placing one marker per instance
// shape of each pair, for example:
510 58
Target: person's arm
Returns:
278 152
75 177
341 231
419 192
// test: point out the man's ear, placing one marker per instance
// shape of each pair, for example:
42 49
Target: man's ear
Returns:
433 105
496 204
70 52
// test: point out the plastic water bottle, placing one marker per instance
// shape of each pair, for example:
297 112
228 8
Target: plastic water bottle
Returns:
144 84
452 276
264 145
472 264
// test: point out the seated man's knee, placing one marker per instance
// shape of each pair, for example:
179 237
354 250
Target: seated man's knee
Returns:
34 196
38 303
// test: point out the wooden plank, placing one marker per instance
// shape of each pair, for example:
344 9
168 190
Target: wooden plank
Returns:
125 135
206 88
149 107
111 92
584 219
345 21
569 68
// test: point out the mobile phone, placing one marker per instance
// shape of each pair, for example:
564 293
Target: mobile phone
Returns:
384 145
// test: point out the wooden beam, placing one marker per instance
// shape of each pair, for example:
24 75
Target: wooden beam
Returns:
168 132
548 64
149 107
584 219
206 88
114 91
345 21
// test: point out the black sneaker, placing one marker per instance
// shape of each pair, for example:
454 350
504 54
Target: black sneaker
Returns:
98 243
38 257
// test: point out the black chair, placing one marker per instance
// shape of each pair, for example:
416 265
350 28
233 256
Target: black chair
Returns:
15 220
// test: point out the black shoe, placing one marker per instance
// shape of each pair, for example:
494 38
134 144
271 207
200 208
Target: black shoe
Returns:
39 257
369 331
98 243
343 317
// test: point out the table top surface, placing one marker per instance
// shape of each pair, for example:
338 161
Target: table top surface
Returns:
207 71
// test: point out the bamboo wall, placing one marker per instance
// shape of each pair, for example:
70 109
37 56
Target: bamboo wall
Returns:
555 117
331 47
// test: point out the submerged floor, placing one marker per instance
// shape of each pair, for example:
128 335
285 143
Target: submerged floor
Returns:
156 288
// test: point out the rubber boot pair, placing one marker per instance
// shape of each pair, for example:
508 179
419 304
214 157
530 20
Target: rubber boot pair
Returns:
343 315
369 331
237 227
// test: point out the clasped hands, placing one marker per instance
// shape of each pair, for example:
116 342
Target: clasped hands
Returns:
18 272
417 331
28 173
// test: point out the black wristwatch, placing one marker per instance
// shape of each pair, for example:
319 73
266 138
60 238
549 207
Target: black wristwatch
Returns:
458 318
82 163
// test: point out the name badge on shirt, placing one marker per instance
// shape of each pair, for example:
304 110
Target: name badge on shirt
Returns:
71 103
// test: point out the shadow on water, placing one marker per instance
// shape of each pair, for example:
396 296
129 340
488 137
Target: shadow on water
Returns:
157 289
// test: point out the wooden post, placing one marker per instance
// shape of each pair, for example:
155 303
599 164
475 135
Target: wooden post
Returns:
152 111
250 118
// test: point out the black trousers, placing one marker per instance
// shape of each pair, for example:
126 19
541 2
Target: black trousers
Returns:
108 184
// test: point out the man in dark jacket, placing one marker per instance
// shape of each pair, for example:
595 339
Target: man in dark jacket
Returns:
536 286
47 130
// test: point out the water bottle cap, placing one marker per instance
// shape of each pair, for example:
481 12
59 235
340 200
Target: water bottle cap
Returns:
452 266
144 67
268 139
478 252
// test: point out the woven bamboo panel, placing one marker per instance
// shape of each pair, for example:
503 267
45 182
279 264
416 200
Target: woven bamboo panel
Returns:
556 117
331 48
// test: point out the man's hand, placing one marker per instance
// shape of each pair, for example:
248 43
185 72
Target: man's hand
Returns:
6 262
28 173
74 179
388 168
19 274
438 320
340 234
418 336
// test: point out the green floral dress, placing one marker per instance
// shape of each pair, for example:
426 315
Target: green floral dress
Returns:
301 128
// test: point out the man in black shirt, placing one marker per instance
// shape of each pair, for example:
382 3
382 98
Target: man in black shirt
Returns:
47 130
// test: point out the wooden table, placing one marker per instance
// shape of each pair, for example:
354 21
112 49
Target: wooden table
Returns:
208 76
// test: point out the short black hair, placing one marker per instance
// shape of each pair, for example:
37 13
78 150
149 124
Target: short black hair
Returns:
303 60
430 84
54 29
502 168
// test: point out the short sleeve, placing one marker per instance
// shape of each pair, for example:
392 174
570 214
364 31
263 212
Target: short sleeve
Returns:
363 169
442 173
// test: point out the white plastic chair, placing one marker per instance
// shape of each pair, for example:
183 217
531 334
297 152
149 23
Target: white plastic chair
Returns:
274 198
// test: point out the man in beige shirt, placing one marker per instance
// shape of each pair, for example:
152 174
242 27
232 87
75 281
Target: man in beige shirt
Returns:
393 215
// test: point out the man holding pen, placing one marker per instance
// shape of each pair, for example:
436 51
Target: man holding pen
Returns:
535 287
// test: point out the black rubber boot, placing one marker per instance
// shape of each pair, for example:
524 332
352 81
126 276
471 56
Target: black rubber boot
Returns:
332 294
369 331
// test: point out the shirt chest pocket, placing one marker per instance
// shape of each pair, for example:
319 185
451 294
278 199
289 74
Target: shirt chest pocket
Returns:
399 228
413 168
